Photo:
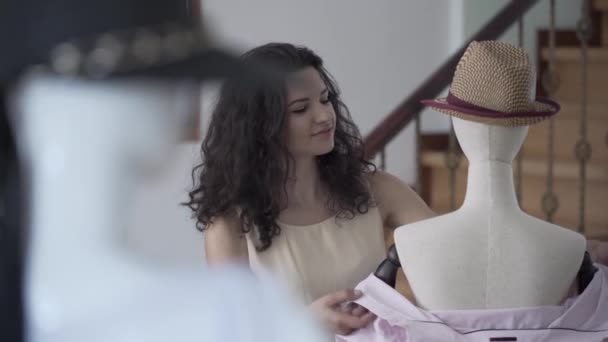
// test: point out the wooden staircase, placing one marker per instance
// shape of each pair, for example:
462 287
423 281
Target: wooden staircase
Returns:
568 62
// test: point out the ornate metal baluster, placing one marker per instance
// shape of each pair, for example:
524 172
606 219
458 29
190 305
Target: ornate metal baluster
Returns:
418 155
583 148
518 169
452 160
550 83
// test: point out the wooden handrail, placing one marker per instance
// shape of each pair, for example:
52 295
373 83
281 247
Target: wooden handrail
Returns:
411 107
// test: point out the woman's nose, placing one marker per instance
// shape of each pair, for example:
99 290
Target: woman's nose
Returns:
322 114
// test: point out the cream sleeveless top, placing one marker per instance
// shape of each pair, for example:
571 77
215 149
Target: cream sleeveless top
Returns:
314 260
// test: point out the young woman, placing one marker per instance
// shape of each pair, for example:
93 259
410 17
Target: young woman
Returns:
284 186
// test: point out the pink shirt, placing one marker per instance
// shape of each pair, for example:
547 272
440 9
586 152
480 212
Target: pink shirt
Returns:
581 318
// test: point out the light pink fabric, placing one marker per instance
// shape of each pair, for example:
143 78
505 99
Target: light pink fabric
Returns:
583 318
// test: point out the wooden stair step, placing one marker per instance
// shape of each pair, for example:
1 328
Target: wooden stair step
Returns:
596 172
566 188
567 192
601 5
568 67
566 136
571 110
595 54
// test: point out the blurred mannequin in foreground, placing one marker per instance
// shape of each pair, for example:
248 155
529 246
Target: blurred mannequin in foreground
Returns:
105 104
86 144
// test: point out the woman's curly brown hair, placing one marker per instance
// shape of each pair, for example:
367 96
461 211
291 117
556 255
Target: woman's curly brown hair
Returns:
244 156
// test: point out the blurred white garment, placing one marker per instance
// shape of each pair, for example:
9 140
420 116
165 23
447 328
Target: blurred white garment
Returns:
227 304
86 145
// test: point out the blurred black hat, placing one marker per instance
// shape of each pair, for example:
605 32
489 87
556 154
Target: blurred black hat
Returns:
100 39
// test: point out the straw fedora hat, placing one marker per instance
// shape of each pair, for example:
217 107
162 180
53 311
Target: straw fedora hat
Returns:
493 84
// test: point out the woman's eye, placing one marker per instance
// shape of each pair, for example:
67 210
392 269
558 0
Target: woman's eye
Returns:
325 101
300 110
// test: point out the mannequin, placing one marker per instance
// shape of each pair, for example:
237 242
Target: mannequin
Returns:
488 271
85 143
489 253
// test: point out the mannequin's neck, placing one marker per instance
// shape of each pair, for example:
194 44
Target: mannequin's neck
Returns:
490 187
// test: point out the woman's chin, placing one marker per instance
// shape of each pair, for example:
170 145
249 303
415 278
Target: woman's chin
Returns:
325 149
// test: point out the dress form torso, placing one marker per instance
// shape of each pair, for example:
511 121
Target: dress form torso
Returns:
489 253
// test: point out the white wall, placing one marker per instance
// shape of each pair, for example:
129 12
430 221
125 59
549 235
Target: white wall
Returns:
379 51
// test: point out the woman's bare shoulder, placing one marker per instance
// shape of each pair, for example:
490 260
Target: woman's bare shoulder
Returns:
399 204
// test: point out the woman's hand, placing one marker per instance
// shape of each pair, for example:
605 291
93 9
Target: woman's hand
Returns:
340 316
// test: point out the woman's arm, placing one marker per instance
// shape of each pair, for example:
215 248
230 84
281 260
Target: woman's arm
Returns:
398 203
224 241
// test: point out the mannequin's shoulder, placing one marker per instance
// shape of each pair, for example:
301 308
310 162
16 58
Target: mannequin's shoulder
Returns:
440 224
